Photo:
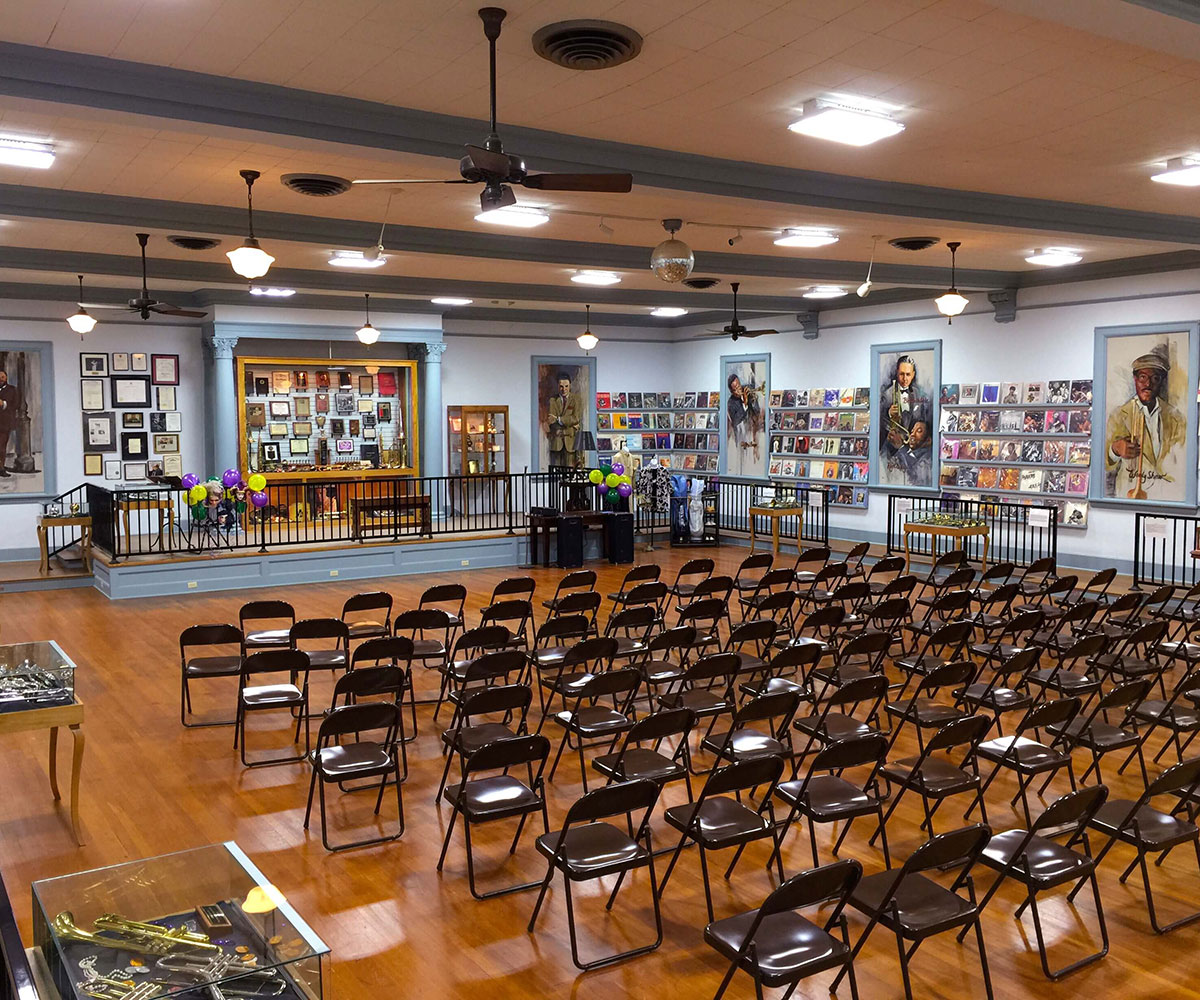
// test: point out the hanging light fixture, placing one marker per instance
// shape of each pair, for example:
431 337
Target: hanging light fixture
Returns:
250 260
672 260
864 289
952 303
367 334
587 340
81 322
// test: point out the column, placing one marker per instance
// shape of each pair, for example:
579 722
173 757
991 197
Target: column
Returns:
223 446
433 448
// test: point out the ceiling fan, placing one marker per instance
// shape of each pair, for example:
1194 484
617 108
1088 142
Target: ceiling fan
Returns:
497 170
734 330
143 305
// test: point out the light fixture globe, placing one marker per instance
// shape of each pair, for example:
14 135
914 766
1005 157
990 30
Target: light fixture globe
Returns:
367 334
951 303
672 260
250 261
587 340
81 322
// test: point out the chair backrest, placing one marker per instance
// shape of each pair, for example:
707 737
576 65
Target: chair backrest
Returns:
396 649
508 751
209 635
1061 587
368 682
1021 662
498 664
680 637
958 579
561 627
422 620
888 564
1085 648
852 594
695 567
1072 810
778 605
514 586
497 698
810 557
779 705
363 717
1057 712
622 799
510 610
826 618
580 579
378 600
857 751
872 645
611 683
1043 568
743 776
760 631
644 573
1147 635
578 602
1125 695
996 600
1158 601
639 617
454 594
1124 604
955 849
652 592
1182 778
320 628
1001 571
949 602
759 563
265 611
274 661
854 692
713 666
713 586
1100 581
481 638
659 725
959 733
830 882
952 674
600 649
707 609
780 577
1026 622
954 557
953 635
890 610
792 658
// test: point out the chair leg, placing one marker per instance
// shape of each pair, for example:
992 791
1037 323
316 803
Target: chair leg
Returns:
904 966
312 787
707 887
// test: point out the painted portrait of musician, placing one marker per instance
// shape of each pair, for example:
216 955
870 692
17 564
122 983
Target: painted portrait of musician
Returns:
1144 446
906 379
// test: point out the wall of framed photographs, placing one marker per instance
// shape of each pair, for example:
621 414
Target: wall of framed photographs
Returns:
821 436
680 428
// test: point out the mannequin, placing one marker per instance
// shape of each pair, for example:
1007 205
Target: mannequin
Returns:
622 455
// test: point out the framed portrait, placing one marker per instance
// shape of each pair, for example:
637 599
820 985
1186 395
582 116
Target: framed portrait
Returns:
281 408
93 464
135 445
130 391
91 394
303 406
135 472
744 402
100 431
164 369
139 363
277 430
112 469
165 395
172 465
166 443
1143 423
563 404
322 379
302 428
133 421
120 361
906 381
154 469
298 446
269 451
93 364
300 379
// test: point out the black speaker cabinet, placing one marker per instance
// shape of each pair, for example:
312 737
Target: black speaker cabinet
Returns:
619 528
570 542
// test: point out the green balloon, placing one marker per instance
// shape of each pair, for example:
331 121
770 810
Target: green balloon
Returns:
605 470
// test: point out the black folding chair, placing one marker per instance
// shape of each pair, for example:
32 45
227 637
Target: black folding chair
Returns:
634 760
589 721
1173 715
1099 736
741 741
826 725
510 702
377 609
213 664
574 582
261 697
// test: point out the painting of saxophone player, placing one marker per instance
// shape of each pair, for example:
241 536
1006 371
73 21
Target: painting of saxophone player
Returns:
745 398
907 378
1145 449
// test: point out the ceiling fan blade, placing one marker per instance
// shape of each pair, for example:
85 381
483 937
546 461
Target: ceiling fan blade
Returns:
488 162
409 180
169 310
100 305
614 183
757 333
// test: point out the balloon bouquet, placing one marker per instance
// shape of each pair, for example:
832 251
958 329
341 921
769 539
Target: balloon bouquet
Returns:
612 483
218 504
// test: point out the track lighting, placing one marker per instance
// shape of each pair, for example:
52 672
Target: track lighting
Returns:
735 240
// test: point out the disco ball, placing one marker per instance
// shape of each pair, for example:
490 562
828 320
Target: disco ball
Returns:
672 260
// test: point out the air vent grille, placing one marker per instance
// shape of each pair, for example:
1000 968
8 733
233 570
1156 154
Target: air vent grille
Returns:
914 242
587 44
315 185
194 242
701 283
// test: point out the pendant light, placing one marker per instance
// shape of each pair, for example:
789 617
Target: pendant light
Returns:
367 334
81 322
952 303
587 340
865 288
672 260
250 260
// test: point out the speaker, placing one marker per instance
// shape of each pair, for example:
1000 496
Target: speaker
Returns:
619 531
570 542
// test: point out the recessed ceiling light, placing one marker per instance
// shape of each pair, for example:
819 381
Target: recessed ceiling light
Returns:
806 236
844 123
1054 257
596 278
18 152
1183 171
668 312
517 216
273 293
450 300
355 258
825 292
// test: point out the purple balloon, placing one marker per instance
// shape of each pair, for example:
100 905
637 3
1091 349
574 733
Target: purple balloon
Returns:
602 487
618 468
625 490
230 477
259 499
190 480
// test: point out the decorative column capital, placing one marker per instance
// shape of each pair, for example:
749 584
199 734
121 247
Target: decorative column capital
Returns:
220 347
434 352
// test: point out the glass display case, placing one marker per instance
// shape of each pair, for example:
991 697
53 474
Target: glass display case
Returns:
310 419
477 440
202 924
35 675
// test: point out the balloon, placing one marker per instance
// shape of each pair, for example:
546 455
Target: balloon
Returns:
627 479
190 480
230 478
197 493
258 498
257 482
624 490
606 470
612 479
602 487
595 476
618 468
612 497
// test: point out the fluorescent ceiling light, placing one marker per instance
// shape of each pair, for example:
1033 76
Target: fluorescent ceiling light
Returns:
825 292
806 236
450 300
18 152
517 216
273 293
355 258
844 123
596 278
1183 171
668 312
1054 257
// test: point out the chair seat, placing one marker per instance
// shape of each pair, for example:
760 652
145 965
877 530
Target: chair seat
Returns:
269 637
1153 828
702 701
837 726
922 907
213 666
1000 650
786 945
470 738
661 671
1156 710
920 664
719 822
428 649
934 777
1042 861
640 762
1022 753
1126 666
1068 681
776 685
745 744
549 656
998 699
829 797
353 760
1100 735
366 629
269 695
566 684
1186 651
628 646
493 797
327 659
925 712
592 851
594 720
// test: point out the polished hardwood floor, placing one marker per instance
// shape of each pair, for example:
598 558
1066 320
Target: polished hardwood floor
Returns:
395 925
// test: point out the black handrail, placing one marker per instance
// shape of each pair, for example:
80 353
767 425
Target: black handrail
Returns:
1012 535
1166 550
62 537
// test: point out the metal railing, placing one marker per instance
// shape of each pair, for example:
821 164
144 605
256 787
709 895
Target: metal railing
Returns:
1166 550
17 982
59 537
1016 533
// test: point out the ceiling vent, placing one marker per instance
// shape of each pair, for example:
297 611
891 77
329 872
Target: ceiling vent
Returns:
587 44
914 242
315 185
701 283
194 242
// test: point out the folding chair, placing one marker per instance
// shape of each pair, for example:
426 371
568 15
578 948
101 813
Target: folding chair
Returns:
397 651
690 574
469 646
377 606
855 558
1005 692
741 741
631 627
580 580
510 702
1049 598
514 587
514 614
1172 715
1097 735
1070 626
634 760
645 573
823 584
752 641
891 567
750 573
666 657
1063 677
820 626
575 669
809 562
272 621
591 722
1135 655
450 598
705 616
923 710
946 606
652 593
1037 576
994 608
827 726
553 638
772 582
787 670
1018 632
254 697
860 656
944 644
994 577
944 566
706 687
429 631
214 664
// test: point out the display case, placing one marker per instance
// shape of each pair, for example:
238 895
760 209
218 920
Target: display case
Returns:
477 438
35 675
315 419
202 924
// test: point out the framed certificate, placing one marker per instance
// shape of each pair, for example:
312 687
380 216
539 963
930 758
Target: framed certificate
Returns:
166 397
166 443
281 383
135 445
139 363
298 446
112 469
93 364
365 406
100 431
277 430
280 408
164 369
91 394
303 406
366 385
172 465
130 391
120 361
302 428
135 471
93 464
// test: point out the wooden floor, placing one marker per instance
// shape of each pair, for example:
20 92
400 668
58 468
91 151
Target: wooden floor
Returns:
398 928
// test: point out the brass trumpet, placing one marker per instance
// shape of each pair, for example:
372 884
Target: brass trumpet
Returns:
130 935
106 988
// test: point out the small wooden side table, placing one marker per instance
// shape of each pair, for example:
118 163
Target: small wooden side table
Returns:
947 531
53 718
48 521
166 517
776 514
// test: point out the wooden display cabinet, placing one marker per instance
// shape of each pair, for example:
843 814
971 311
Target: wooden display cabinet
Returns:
477 439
